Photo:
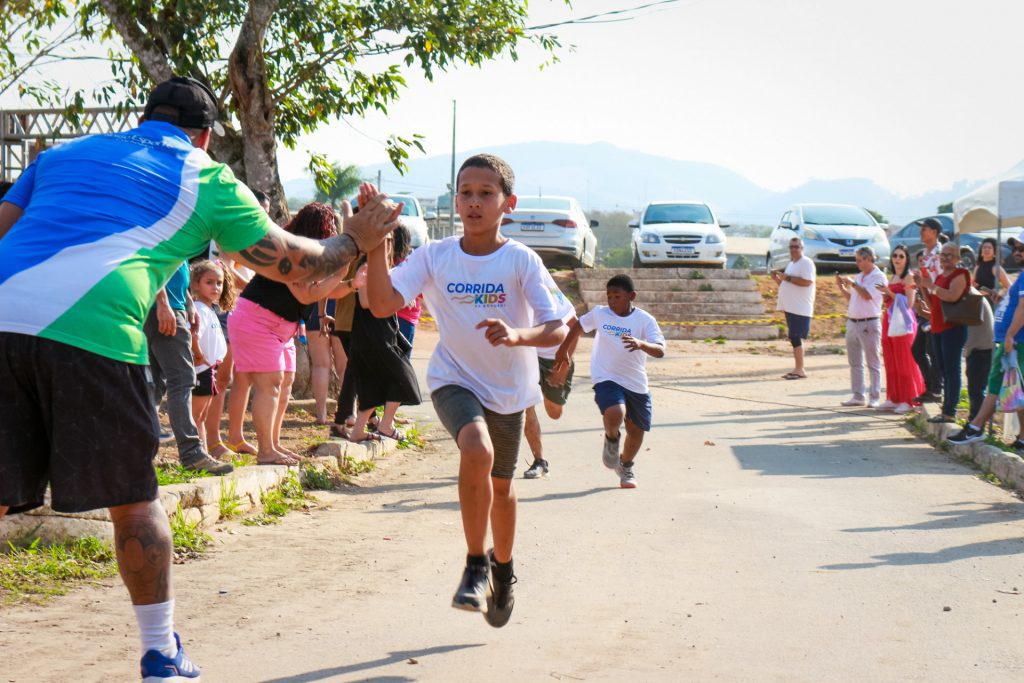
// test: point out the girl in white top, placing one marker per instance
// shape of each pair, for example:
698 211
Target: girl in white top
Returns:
211 287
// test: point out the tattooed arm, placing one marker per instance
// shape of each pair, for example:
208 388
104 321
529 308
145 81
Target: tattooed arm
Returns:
285 257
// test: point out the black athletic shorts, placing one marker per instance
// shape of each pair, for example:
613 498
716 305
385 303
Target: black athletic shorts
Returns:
82 423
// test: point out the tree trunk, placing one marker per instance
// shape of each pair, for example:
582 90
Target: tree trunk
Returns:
247 74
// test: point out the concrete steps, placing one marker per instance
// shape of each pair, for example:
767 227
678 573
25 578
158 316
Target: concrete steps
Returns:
677 296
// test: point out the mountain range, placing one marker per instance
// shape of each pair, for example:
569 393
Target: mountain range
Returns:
603 176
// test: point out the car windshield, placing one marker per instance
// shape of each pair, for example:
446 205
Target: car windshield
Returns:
542 203
836 215
678 213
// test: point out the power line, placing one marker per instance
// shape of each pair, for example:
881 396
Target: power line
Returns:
614 12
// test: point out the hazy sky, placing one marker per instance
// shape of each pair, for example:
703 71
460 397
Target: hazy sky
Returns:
914 94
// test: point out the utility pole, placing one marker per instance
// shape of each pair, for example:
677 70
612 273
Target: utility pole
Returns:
380 188
451 187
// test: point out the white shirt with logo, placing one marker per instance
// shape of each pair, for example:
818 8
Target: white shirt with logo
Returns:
794 298
461 290
609 358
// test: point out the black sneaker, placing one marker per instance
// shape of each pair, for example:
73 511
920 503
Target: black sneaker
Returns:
928 397
940 418
1018 445
474 590
968 434
538 469
501 598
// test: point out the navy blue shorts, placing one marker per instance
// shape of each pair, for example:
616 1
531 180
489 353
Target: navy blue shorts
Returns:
799 326
638 406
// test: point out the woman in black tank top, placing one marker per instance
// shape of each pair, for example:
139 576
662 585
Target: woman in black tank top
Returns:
985 271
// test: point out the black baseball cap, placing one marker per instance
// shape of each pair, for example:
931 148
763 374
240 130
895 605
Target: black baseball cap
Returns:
932 223
193 100
1014 242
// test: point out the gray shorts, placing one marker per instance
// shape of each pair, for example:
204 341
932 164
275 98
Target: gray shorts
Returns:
458 406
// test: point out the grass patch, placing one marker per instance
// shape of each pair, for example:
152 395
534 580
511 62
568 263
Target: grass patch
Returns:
413 438
279 501
230 503
189 539
319 479
312 442
696 275
243 459
35 572
174 473
353 468
706 287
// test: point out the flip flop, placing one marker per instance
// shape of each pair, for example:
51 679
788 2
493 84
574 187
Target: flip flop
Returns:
243 444
370 436
283 460
793 375
395 434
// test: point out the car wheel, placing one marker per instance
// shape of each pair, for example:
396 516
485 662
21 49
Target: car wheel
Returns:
636 259
967 259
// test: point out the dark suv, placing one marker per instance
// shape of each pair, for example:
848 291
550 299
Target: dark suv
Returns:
910 237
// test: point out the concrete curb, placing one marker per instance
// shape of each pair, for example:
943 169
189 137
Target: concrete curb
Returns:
1007 466
199 499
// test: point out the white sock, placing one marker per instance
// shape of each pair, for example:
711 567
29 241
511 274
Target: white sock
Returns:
156 627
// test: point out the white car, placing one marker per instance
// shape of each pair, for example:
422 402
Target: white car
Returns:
554 227
413 218
678 234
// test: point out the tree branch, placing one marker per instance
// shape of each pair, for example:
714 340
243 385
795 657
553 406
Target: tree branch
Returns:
150 56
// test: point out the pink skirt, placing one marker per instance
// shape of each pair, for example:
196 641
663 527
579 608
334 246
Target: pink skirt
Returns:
261 341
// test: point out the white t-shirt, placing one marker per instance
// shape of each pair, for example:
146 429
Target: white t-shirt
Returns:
609 358
793 298
461 290
210 337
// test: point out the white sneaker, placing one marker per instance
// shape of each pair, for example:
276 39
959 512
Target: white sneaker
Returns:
627 480
903 408
610 454
853 402
886 405
873 403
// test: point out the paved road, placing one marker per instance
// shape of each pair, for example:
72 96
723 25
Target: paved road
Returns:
772 538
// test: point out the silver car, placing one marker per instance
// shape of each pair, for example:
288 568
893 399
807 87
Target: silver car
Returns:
554 227
831 233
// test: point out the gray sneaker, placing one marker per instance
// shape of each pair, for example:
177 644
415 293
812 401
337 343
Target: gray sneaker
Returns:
627 480
538 469
211 465
610 455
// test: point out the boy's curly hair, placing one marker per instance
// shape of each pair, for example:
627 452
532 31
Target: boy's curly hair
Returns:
228 295
491 163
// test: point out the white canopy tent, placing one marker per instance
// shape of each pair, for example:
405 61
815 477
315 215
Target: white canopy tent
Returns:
991 206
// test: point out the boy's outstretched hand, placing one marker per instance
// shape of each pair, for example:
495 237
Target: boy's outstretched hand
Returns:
631 343
498 332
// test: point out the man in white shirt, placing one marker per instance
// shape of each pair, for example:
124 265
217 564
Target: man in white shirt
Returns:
864 327
796 300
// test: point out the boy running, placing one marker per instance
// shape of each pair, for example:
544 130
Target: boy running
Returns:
617 372
485 292
554 401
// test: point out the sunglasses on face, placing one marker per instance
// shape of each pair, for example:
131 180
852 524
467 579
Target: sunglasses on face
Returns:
1017 250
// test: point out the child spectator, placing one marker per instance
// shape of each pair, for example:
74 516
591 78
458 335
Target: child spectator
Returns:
380 365
491 297
213 291
618 373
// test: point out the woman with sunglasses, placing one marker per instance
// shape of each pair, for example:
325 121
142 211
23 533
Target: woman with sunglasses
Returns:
903 379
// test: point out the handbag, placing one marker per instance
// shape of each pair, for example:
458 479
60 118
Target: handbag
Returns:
901 321
1011 394
964 311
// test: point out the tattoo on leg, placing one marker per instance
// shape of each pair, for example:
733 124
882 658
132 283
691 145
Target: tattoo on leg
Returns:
142 537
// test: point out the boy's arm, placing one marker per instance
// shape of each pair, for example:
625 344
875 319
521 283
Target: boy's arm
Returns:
383 299
634 344
499 333
563 357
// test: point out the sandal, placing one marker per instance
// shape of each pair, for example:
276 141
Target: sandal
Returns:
793 375
220 449
340 431
283 460
372 423
395 434
243 447
370 436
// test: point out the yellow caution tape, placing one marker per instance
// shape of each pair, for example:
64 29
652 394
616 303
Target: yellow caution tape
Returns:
758 321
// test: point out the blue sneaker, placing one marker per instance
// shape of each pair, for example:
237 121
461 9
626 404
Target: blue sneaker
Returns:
156 668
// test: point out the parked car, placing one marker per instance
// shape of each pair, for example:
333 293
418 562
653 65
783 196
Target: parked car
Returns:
555 227
412 217
831 233
970 243
676 234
